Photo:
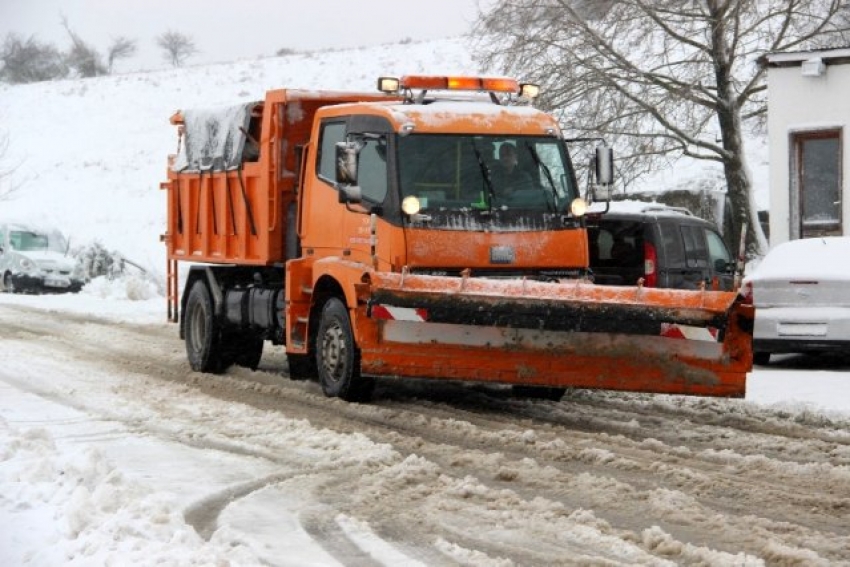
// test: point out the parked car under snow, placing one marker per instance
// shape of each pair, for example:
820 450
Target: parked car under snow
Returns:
36 260
801 292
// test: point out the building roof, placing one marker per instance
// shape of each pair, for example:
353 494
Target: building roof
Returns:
830 56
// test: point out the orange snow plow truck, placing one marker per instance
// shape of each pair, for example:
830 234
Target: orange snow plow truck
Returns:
432 229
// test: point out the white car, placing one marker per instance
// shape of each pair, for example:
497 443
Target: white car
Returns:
801 292
36 260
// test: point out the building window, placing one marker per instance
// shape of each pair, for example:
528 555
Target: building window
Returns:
816 184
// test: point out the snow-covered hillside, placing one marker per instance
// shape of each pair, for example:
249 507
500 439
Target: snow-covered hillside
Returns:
92 152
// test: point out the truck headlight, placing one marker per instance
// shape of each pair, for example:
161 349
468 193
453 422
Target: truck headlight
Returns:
578 207
411 205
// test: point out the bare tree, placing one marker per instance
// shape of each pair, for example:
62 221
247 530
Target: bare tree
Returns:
659 78
120 48
177 47
82 57
28 61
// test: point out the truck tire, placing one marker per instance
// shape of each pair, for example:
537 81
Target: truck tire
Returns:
243 349
251 352
337 357
202 331
552 393
761 358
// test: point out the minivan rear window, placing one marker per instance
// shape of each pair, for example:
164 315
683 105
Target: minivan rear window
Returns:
618 243
696 250
671 241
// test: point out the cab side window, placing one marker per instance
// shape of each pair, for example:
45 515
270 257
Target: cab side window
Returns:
332 133
372 170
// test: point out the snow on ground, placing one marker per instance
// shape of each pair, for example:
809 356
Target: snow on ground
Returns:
91 488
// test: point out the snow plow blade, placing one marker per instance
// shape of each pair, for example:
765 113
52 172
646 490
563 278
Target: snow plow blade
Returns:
572 334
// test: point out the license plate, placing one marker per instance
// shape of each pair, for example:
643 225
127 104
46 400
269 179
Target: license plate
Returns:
802 329
53 282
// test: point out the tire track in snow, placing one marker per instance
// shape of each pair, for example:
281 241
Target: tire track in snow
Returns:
604 451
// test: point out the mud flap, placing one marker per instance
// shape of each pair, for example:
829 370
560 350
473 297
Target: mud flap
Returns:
571 334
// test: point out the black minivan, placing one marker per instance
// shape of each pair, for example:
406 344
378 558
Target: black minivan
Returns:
667 247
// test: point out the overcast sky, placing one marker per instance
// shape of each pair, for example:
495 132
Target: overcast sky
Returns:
236 29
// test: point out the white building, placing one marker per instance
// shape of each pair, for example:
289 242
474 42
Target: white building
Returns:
808 121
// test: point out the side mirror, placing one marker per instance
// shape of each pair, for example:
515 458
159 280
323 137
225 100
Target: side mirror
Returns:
721 266
604 165
350 194
346 163
346 172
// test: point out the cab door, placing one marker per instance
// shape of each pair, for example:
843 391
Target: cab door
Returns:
321 215
373 180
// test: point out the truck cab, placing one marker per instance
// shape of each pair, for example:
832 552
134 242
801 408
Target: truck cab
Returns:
430 174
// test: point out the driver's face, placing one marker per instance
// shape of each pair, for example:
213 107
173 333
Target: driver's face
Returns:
507 155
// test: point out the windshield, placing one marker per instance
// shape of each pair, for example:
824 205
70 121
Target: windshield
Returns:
32 241
487 173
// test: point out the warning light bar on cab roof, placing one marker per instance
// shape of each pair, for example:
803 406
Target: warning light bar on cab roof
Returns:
455 83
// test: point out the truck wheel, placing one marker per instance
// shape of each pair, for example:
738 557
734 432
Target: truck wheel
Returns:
251 353
337 357
301 366
761 358
539 392
243 349
201 331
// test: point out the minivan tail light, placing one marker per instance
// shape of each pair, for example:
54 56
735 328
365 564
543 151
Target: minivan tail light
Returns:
746 293
650 265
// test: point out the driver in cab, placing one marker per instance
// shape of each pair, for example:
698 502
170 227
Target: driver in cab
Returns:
507 176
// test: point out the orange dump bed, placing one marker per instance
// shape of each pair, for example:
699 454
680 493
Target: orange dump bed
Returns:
231 186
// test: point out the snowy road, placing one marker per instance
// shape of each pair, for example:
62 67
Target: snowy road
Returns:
258 469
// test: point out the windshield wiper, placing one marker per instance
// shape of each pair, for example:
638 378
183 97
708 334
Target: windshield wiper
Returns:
485 173
553 206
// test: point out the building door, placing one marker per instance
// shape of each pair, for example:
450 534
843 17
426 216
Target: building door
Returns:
816 184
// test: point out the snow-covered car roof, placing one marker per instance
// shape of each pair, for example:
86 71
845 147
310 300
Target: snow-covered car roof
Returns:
642 207
821 258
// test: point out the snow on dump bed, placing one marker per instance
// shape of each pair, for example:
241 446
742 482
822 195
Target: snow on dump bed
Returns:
213 138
